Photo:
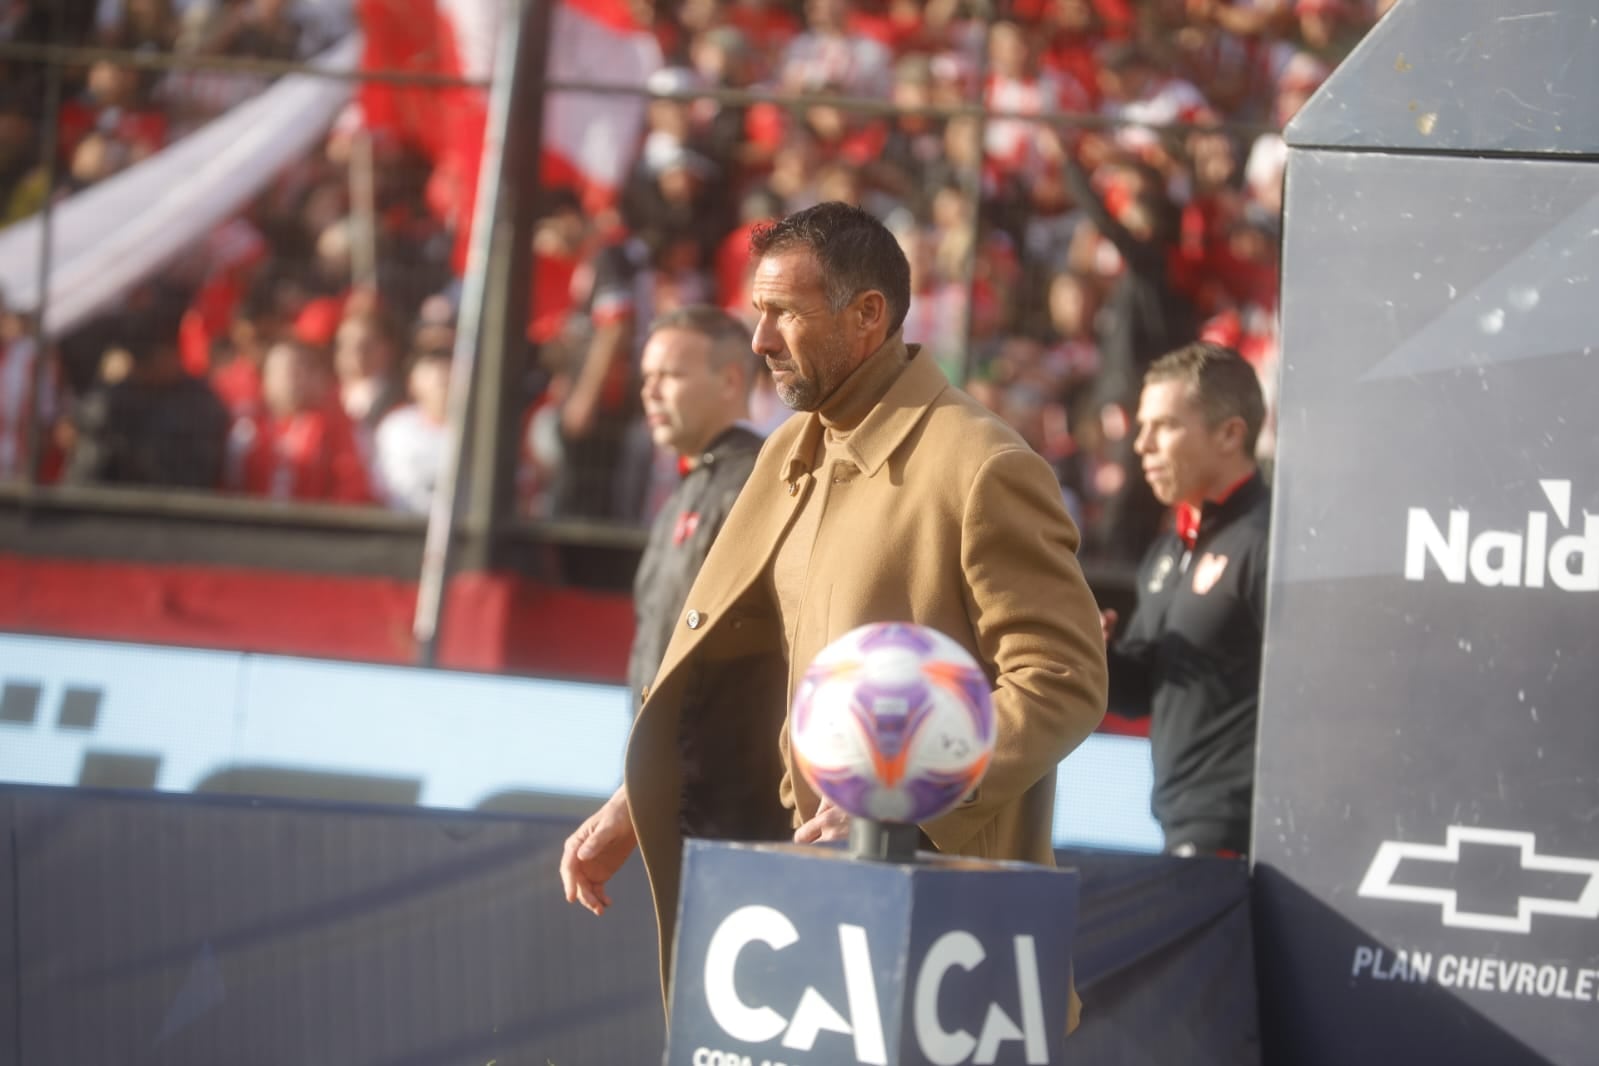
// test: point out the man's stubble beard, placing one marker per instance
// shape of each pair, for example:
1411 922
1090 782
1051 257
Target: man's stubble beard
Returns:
808 394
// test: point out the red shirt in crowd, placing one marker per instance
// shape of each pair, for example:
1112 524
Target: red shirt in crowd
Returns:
310 456
144 132
237 384
550 301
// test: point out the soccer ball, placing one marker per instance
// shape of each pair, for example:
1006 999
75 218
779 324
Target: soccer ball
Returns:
893 722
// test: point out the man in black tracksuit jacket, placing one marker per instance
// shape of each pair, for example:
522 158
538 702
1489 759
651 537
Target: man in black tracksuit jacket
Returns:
680 538
1190 655
697 368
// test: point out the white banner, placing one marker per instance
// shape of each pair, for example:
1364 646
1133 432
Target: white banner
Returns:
111 236
199 717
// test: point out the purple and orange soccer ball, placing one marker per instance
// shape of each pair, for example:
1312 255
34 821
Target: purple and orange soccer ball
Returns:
893 722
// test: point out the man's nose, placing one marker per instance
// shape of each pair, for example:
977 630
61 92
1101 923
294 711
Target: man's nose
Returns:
766 340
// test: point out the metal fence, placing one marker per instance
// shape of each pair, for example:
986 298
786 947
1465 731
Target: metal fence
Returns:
259 336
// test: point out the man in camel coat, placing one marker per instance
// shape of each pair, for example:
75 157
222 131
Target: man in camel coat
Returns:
892 497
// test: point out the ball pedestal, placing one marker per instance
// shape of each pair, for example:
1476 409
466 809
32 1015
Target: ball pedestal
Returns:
883 841
790 954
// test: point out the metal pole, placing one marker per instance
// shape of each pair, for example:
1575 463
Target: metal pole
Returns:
503 363
33 454
975 189
441 517
363 214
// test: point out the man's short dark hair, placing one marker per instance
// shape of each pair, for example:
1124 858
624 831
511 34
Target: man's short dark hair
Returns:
857 253
730 338
1224 384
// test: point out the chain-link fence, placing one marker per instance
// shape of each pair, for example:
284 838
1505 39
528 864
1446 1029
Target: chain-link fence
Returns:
236 229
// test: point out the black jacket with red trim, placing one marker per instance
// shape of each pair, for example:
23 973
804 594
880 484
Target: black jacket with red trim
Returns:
680 538
1189 657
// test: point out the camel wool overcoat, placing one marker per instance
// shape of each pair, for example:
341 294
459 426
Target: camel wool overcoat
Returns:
941 516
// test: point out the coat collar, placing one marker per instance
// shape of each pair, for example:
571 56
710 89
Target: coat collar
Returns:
767 506
890 418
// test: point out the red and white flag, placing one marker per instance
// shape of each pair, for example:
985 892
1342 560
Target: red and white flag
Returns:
589 139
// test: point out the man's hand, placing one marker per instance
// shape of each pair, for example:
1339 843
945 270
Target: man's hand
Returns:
595 852
1107 625
828 823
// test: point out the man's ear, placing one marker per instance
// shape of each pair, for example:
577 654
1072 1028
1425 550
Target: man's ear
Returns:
869 310
1232 432
735 379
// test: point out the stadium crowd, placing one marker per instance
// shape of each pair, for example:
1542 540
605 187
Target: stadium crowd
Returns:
1107 187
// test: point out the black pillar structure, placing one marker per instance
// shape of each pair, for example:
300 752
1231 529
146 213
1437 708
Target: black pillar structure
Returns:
1426 846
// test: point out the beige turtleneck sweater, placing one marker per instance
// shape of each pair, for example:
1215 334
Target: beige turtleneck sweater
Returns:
830 462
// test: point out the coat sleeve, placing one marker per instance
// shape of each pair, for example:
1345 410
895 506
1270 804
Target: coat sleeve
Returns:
1036 621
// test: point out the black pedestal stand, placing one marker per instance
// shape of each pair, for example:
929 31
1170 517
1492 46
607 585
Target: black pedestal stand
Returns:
883 841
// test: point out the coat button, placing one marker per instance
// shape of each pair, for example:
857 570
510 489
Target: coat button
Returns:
694 619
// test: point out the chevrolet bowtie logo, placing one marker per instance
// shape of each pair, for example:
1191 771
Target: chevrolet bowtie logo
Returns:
1380 880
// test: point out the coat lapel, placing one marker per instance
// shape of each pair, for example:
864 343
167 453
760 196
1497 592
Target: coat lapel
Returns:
739 556
743 549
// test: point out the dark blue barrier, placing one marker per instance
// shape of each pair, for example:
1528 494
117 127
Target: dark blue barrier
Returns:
165 930
175 930
1165 962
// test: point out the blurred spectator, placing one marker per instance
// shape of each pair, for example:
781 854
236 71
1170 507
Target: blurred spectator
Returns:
138 25
114 112
1016 84
95 158
435 324
316 324
912 143
363 366
768 25
1143 318
723 59
300 445
1300 75
261 29
1204 271
411 440
236 378
226 265
595 383
669 120
146 422
1061 285
560 246
676 188
1138 94
1071 357
1042 424
827 54
24 183
1334 26
1144 315
19 405
1073 31
734 266
1268 157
